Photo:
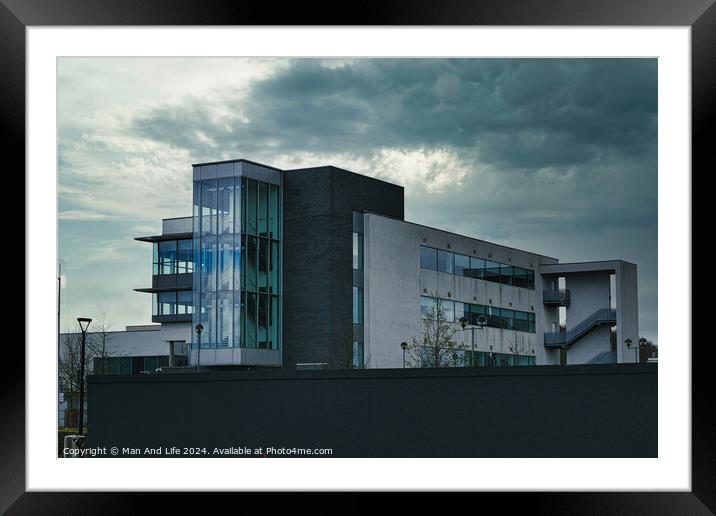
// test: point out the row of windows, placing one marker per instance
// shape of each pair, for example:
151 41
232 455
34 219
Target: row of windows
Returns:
496 317
487 359
172 257
220 266
461 265
238 319
134 365
172 303
236 205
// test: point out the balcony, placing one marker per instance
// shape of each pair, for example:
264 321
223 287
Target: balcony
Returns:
559 297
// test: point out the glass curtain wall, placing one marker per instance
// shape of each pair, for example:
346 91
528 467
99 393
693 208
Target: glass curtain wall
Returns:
236 249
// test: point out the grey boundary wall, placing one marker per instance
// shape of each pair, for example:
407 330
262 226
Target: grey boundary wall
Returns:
539 411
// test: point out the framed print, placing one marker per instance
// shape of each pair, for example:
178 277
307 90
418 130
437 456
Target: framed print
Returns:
270 154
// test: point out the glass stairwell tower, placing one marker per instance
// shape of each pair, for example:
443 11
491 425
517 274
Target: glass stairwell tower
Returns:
237 251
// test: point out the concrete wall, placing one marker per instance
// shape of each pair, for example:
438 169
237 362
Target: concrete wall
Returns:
394 283
627 310
134 343
576 411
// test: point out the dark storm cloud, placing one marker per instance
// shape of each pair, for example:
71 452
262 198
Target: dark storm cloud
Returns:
518 113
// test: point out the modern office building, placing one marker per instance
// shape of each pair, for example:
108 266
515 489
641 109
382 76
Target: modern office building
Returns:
318 266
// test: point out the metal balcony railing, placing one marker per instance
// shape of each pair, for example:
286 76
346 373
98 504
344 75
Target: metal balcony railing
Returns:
563 339
559 297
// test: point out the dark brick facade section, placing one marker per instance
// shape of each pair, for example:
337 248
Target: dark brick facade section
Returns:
539 411
317 259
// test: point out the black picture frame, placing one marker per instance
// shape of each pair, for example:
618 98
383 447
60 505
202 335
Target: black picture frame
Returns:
17 15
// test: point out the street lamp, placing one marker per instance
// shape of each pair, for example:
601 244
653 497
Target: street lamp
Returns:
84 324
199 328
642 345
404 346
481 322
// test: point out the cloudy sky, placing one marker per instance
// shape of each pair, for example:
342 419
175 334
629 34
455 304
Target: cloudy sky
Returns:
555 156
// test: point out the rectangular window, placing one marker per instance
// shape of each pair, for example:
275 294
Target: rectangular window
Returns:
167 257
225 318
273 322
184 305
357 251
447 307
263 208
273 211
520 277
476 311
357 305
492 314
167 303
492 271
506 274
250 269
251 315
264 257
155 258
462 265
185 262
357 355
251 206
208 263
445 262
208 207
263 307
507 318
531 321
225 262
531 279
427 306
477 268
522 321
462 310
428 258
125 365
225 205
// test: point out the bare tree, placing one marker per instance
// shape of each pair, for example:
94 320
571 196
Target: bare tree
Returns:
69 367
436 346
518 347
99 342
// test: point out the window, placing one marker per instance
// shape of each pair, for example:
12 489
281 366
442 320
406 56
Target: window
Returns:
184 305
185 263
462 310
520 277
477 268
225 205
428 258
507 318
492 271
531 279
445 262
357 361
506 274
462 265
427 306
167 257
448 310
357 305
475 312
522 321
167 303
492 315
357 251
531 322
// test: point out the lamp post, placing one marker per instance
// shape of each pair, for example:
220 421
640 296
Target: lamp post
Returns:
481 322
404 346
199 328
642 345
84 324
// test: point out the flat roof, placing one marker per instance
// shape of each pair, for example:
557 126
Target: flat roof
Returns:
347 172
459 235
235 161
595 266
